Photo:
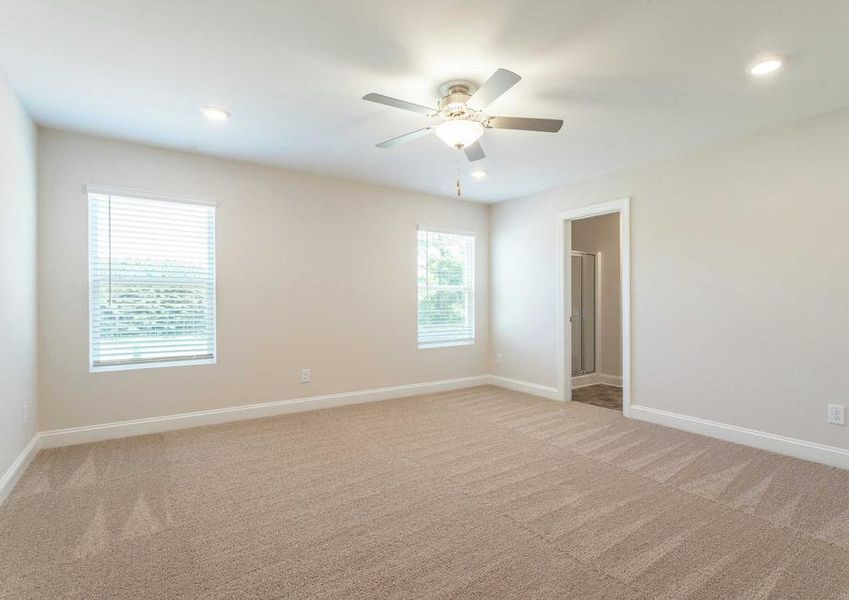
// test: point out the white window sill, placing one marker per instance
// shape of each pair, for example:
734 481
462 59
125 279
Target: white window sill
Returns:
446 344
151 365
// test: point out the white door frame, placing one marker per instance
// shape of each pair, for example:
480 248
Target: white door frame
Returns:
564 293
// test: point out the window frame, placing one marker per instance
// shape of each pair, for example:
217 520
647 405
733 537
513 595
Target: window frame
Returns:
97 189
471 288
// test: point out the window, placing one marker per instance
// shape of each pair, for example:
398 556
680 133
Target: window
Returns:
446 269
151 282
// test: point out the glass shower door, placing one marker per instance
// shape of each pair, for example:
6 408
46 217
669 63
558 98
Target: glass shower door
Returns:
583 313
577 341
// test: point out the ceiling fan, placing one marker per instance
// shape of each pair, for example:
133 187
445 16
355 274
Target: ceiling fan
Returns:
461 107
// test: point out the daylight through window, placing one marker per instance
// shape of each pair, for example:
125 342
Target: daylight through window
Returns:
151 282
446 277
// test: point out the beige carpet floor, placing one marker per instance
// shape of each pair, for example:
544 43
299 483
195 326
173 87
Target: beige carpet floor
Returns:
480 493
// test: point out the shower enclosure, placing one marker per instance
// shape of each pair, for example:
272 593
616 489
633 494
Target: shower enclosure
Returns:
583 315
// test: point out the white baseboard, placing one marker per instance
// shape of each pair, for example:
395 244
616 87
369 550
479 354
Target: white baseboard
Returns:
580 381
812 451
829 455
614 380
107 431
14 472
517 385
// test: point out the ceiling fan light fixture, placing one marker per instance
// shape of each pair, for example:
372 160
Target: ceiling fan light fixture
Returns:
459 133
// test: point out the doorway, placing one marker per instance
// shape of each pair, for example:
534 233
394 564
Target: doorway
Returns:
594 305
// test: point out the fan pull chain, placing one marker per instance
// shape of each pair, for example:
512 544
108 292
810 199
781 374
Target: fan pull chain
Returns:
459 189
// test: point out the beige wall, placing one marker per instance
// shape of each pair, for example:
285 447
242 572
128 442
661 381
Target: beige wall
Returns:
18 406
312 272
740 285
600 236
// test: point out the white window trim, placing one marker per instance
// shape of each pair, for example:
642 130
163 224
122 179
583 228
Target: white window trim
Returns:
427 345
156 365
93 188
111 190
453 343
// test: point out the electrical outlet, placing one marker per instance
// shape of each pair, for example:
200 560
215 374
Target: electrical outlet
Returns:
305 375
499 359
26 413
837 414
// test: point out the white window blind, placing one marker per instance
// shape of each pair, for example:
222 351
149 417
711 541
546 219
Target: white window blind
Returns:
151 282
446 275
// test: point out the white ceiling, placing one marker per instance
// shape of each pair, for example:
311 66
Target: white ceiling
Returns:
635 80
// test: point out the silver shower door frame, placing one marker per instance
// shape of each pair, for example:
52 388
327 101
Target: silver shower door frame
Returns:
586 350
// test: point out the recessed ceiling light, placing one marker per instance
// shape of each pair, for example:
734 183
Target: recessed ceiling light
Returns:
215 113
479 174
765 67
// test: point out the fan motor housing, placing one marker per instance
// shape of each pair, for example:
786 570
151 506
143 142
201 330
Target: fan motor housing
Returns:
455 94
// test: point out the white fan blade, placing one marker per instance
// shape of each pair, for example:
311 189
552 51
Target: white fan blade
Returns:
474 152
525 124
405 138
389 101
500 81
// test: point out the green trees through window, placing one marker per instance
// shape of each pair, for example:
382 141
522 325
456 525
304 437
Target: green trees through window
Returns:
445 288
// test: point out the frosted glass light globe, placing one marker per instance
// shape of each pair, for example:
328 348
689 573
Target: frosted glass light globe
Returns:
459 133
